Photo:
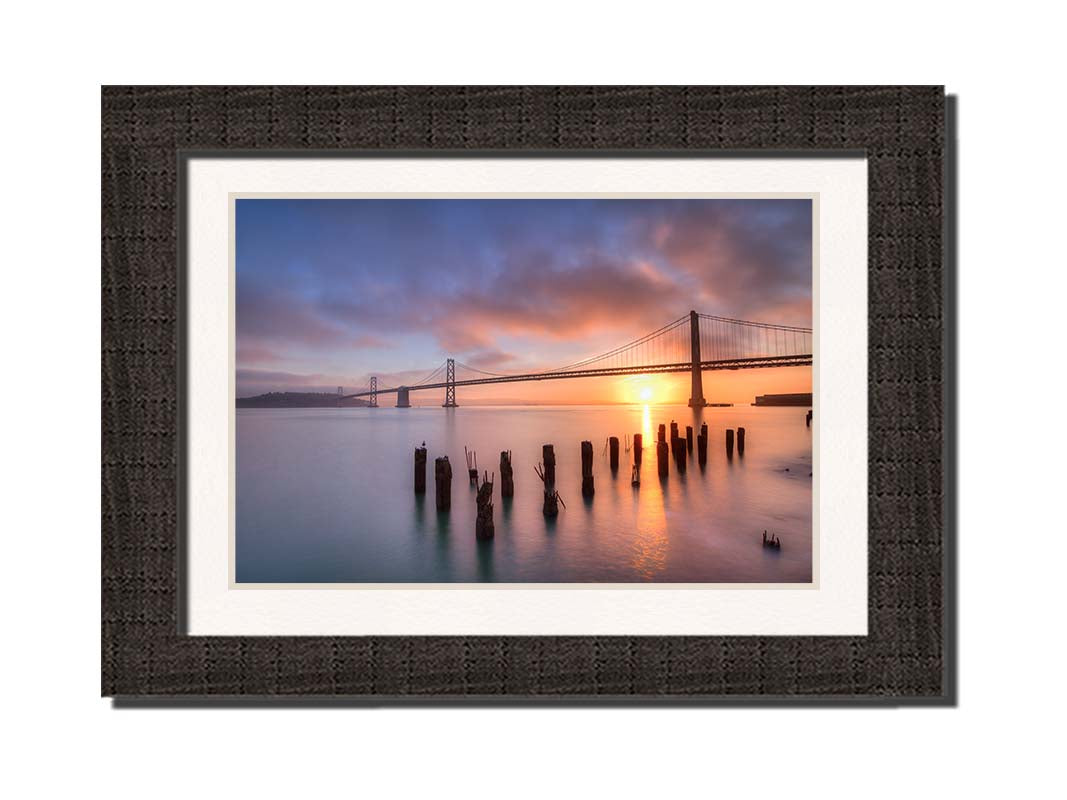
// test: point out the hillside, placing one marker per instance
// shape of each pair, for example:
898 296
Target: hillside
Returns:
299 400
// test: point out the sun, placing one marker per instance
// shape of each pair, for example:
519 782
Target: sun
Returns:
646 393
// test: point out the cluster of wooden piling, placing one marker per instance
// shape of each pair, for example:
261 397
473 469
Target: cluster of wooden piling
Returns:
681 448
740 438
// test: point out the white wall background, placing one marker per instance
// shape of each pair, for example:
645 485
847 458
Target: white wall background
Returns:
63 740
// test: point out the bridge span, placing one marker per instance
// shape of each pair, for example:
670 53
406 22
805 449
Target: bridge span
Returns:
680 346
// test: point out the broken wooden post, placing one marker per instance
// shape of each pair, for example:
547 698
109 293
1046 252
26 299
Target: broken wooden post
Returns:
807 418
661 458
702 446
674 430
483 524
420 470
638 444
507 477
548 456
587 469
661 436
689 438
740 441
442 473
613 452
729 442
472 465
550 508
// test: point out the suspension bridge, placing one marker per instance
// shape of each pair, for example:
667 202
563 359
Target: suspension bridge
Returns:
693 343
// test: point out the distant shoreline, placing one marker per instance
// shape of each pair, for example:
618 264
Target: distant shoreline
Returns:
300 400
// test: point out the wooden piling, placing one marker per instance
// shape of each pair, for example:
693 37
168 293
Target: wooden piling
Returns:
587 469
661 435
483 524
613 452
638 444
807 419
442 473
420 470
507 477
689 439
661 458
674 430
702 446
740 441
472 466
678 452
548 457
729 442
550 508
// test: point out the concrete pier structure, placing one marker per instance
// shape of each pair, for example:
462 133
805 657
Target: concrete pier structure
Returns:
402 399
696 398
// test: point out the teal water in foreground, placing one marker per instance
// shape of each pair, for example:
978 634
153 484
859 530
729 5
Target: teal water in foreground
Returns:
326 496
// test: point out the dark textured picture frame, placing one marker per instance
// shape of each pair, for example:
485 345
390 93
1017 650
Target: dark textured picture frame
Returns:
908 656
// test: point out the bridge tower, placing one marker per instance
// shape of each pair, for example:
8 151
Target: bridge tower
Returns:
450 384
696 399
373 391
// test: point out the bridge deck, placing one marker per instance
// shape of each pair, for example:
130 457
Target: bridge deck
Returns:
683 366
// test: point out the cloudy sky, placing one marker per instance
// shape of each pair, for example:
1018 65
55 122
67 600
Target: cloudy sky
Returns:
330 292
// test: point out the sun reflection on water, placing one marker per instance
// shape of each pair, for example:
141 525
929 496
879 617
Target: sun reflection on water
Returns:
651 542
649 547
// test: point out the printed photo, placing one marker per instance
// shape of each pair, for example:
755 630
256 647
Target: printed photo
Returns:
456 391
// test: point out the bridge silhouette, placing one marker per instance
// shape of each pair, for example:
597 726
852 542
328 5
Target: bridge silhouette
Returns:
693 343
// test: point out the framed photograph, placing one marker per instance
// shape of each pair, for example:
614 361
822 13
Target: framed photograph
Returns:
521 393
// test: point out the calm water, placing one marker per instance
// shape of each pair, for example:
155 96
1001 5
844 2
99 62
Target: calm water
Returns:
326 495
